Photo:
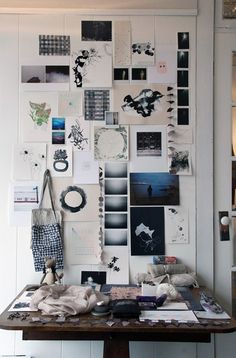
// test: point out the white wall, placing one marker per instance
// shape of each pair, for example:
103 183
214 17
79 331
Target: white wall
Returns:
16 263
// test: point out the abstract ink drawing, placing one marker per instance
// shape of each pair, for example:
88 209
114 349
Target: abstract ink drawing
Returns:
82 61
60 163
148 240
145 48
145 103
77 205
39 113
147 231
77 137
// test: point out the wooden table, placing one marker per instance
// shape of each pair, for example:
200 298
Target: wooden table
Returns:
116 338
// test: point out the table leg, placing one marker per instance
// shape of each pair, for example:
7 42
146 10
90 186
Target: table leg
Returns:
114 348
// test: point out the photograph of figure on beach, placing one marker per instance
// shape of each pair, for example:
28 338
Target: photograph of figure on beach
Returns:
154 189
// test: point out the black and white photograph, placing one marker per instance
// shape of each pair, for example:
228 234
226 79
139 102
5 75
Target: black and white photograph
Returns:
154 189
182 59
96 30
116 203
96 103
183 40
57 74
147 231
33 74
183 97
111 118
121 74
116 170
116 237
149 144
139 74
116 221
182 78
115 187
98 277
183 116
45 74
54 45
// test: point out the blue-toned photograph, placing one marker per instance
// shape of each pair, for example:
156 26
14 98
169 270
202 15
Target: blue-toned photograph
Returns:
154 189
58 123
58 137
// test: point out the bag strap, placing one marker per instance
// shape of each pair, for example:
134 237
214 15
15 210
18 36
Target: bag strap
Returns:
47 182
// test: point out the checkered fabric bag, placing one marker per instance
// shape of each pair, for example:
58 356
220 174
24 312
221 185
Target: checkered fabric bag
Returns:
46 236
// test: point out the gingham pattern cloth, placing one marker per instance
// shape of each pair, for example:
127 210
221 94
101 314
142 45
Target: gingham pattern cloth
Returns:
46 242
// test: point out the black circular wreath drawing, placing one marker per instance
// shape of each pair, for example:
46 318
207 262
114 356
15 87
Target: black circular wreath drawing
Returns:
73 209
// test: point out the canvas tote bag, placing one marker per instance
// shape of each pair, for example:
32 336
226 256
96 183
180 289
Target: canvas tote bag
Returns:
46 228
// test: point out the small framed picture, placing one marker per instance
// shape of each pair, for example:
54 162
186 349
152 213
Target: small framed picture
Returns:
111 118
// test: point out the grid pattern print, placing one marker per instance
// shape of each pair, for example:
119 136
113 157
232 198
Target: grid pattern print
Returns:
54 45
96 102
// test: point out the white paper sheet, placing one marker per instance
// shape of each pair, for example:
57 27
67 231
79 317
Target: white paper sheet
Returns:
86 169
29 161
23 197
176 225
122 53
165 68
180 316
82 243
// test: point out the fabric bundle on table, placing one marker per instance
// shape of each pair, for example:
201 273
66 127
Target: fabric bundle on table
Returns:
66 299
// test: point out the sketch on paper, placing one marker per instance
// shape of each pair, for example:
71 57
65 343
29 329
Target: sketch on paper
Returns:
54 45
77 133
96 103
117 264
81 244
69 206
154 189
136 104
96 30
39 113
147 231
111 143
37 108
143 49
29 161
145 103
60 160
89 64
176 225
69 104
122 43
179 159
86 169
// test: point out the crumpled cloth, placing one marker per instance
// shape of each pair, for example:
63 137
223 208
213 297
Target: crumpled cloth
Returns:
66 299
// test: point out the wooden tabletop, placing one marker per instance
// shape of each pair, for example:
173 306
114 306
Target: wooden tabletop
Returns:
89 327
